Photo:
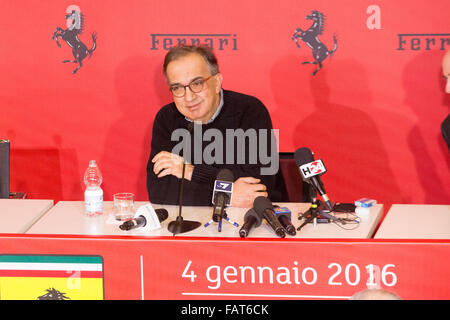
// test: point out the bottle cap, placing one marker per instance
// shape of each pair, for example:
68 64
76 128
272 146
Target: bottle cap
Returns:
92 163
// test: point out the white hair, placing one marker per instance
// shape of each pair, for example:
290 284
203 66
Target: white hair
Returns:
375 294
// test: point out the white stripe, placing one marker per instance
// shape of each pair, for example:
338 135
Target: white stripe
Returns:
142 277
262 295
50 266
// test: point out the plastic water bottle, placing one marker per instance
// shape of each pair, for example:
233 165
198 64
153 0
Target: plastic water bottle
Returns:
93 196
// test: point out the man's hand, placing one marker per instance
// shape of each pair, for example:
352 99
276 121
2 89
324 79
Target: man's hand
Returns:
245 190
166 163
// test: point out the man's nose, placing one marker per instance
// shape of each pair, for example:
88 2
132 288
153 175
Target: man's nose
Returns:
447 87
189 95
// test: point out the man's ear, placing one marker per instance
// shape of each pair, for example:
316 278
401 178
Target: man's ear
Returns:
219 80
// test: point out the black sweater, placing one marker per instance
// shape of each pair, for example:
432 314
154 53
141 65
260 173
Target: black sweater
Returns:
238 111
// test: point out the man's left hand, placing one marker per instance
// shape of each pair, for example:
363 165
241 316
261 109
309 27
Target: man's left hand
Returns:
166 163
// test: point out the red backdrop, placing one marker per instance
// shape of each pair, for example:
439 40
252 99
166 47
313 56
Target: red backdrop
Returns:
372 114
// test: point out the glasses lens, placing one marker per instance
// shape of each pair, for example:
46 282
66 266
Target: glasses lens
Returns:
177 91
197 85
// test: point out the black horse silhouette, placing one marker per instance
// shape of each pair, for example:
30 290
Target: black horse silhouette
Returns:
53 294
310 37
70 36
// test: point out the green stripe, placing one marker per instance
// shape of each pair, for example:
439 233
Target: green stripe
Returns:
51 259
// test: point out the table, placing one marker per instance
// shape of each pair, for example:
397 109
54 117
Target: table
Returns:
67 217
18 215
205 264
413 221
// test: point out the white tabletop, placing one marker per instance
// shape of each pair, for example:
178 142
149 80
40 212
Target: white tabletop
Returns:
413 221
67 217
18 215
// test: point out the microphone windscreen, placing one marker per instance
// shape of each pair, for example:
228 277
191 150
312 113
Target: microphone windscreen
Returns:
262 203
252 213
162 214
225 175
303 156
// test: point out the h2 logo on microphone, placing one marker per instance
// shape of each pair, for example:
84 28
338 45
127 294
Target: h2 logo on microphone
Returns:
312 169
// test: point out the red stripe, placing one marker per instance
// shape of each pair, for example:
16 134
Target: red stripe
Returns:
51 273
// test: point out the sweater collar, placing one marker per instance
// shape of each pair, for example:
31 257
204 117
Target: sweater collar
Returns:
217 111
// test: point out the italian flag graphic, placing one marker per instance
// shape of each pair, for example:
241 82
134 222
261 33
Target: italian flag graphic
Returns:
51 277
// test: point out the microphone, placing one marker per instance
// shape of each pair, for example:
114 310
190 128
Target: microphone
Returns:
283 215
141 220
223 190
251 219
311 171
264 207
180 225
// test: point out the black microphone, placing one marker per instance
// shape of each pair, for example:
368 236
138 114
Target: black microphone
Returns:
305 156
285 220
141 221
190 129
251 220
223 187
180 225
264 207
310 171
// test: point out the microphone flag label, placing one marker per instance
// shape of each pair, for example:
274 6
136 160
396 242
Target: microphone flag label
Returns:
224 187
312 169
150 215
280 210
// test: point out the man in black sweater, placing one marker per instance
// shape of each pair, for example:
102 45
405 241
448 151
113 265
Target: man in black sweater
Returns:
231 130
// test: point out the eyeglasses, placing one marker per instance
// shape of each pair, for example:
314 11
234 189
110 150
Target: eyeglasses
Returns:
195 86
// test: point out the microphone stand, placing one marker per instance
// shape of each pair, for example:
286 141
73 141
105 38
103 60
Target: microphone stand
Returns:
320 206
180 225
218 218
316 210
224 216
312 213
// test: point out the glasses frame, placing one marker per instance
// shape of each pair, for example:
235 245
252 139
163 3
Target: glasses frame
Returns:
189 86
